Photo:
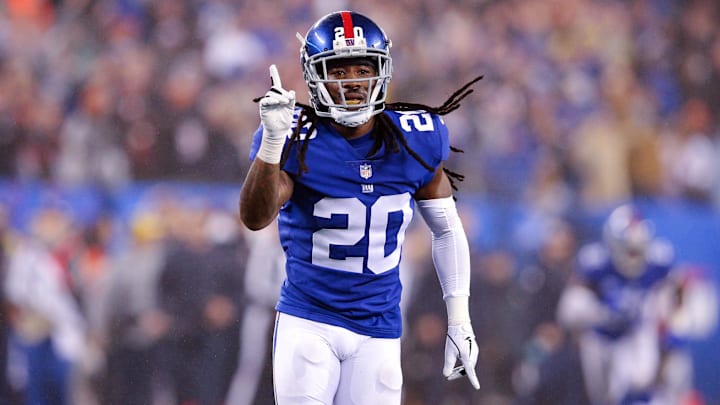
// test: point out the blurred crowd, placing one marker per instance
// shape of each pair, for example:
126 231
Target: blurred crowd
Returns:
156 321
583 101
584 104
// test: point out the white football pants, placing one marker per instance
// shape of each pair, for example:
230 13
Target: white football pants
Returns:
316 363
614 368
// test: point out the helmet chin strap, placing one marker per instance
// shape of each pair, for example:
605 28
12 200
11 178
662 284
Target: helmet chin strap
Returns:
353 118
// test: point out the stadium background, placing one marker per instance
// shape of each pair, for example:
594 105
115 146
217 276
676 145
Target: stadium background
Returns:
585 104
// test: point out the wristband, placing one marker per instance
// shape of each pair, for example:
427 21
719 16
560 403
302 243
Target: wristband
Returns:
271 148
458 311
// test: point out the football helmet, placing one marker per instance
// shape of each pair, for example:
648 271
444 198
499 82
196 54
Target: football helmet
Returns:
345 35
628 235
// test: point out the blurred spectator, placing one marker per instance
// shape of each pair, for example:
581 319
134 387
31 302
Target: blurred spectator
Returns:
138 70
264 275
689 154
8 394
549 371
600 159
423 350
47 324
497 305
182 146
200 290
90 264
542 282
223 154
91 147
132 322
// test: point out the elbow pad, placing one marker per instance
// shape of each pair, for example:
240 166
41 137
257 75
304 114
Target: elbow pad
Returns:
450 249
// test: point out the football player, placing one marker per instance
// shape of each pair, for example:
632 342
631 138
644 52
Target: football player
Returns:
345 174
608 303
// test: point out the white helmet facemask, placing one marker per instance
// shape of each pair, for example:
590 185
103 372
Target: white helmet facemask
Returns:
351 118
351 113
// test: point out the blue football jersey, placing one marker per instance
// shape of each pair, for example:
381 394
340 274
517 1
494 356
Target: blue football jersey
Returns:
623 296
343 228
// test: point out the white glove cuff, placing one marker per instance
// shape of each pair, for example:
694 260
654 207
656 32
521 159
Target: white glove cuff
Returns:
458 311
271 148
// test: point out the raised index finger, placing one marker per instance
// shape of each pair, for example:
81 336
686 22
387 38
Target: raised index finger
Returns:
275 77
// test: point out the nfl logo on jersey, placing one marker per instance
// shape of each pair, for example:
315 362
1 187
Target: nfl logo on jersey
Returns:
365 171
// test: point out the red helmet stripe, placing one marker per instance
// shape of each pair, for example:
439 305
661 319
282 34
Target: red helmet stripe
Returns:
347 24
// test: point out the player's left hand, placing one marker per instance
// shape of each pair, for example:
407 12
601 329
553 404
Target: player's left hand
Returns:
460 344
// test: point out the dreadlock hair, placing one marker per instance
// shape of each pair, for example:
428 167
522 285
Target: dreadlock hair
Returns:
387 133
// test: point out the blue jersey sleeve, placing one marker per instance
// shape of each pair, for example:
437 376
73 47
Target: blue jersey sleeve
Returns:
442 146
592 259
444 138
426 134
257 138
436 143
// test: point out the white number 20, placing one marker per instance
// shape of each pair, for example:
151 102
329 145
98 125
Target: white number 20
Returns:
340 33
357 227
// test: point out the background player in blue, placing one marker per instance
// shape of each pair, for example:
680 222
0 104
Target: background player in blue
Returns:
609 302
345 175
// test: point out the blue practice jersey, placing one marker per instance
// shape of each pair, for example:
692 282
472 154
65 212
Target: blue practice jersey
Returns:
623 296
343 227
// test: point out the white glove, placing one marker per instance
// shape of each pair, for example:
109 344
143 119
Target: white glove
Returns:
460 344
276 114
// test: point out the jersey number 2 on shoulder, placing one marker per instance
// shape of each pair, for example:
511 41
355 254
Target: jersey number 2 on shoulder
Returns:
416 120
358 226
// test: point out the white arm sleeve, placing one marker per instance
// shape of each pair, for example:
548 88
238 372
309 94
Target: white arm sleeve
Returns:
450 253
